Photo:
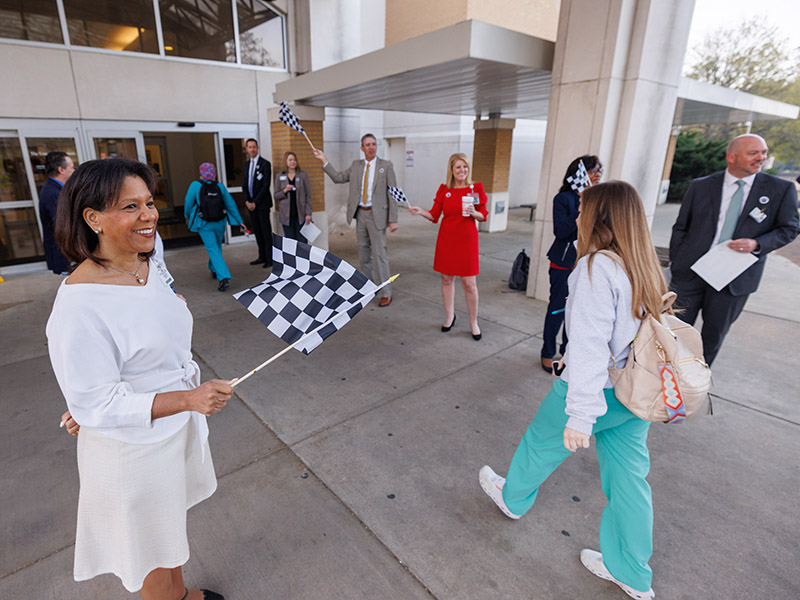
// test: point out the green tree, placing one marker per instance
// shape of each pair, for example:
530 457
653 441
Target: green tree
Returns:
695 156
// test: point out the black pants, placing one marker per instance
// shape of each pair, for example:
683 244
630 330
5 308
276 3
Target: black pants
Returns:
552 322
262 229
292 231
720 310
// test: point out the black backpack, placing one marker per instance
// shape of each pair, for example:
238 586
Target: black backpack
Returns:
212 206
518 280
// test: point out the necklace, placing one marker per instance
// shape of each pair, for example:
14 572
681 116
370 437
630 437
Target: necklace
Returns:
136 274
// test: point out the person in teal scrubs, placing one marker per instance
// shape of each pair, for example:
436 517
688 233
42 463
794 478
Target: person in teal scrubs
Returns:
212 232
609 295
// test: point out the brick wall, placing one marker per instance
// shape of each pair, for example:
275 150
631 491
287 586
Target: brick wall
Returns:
491 158
284 138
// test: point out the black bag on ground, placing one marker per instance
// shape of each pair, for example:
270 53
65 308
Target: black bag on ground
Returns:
518 280
212 206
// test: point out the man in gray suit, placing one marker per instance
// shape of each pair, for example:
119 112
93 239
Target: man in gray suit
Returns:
368 201
751 211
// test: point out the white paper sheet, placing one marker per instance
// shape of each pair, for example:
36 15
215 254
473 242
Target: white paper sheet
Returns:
310 232
721 265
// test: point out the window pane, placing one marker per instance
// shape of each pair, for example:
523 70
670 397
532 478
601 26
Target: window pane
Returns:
38 149
19 235
235 156
238 197
33 20
260 34
114 25
116 148
13 180
199 29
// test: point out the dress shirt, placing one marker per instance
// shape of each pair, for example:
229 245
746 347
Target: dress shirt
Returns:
252 175
110 365
372 166
729 188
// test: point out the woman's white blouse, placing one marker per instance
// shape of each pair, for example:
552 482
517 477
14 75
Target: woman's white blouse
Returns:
114 347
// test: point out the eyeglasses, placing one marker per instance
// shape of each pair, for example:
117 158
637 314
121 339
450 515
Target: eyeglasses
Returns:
596 171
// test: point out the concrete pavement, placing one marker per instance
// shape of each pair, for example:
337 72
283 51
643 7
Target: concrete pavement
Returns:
352 472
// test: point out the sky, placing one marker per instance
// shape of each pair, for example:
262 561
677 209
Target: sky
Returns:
714 14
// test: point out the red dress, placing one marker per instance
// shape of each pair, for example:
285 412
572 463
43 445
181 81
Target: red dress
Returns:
457 244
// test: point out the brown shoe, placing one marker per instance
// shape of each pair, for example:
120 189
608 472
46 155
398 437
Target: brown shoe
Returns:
385 301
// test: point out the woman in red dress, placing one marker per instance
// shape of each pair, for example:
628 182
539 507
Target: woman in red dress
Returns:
460 203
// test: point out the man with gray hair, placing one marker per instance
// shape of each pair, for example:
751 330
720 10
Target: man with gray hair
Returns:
751 211
58 168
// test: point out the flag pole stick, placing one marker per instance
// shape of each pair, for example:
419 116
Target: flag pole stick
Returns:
239 380
308 140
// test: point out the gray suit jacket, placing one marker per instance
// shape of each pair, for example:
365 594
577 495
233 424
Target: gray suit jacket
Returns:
696 226
384 209
303 193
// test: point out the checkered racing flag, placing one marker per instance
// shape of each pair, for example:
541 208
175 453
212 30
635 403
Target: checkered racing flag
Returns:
398 194
308 287
286 115
580 181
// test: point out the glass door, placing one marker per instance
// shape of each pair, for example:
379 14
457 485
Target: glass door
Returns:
20 233
232 167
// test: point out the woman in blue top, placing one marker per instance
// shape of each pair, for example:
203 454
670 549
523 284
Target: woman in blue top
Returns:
220 209
562 255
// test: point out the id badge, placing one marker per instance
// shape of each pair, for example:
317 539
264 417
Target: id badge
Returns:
260 176
757 215
163 274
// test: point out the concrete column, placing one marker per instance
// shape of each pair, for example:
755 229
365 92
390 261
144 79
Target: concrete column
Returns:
491 162
616 71
284 138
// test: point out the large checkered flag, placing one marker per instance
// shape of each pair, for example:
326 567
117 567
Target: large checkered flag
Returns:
580 180
286 116
398 195
310 295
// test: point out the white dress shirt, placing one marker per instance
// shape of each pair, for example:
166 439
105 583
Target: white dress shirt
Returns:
371 179
252 175
729 188
114 347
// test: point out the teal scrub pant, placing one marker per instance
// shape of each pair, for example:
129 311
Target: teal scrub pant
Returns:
212 234
626 528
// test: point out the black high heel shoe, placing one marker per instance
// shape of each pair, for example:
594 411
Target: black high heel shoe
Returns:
449 327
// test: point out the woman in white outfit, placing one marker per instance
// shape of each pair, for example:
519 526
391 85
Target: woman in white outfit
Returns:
120 345
616 282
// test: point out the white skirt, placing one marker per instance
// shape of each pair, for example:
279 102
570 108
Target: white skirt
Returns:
133 502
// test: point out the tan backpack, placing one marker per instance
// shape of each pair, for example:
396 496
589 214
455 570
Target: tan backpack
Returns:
665 378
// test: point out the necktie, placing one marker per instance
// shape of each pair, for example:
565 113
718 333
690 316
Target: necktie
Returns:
364 188
250 178
732 216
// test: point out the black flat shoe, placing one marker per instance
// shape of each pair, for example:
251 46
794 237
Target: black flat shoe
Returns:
224 285
257 261
449 327
209 595
477 336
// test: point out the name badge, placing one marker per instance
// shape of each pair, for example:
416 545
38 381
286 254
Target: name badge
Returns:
283 178
758 215
259 176
163 274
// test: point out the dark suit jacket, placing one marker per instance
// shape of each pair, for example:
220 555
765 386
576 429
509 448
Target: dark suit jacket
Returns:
696 226
48 203
384 209
261 194
565 228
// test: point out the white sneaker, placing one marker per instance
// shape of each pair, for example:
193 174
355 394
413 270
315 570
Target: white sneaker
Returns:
493 484
593 561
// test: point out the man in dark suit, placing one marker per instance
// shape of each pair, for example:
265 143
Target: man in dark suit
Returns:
256 180
751 211
369 203
58 168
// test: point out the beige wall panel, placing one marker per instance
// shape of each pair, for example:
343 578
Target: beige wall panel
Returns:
538 18
161 90
38 83
407 19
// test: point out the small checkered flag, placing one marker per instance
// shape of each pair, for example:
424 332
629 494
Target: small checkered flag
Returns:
286 115
310 295
580 181
398 194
